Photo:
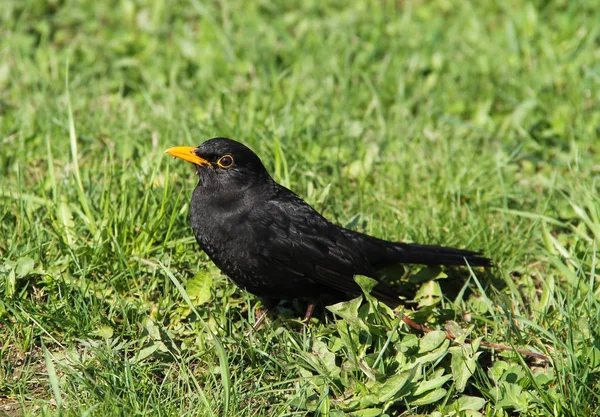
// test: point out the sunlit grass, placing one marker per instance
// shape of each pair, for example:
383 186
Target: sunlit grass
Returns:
438 122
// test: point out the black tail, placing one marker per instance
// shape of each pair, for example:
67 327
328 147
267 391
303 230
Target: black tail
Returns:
413 253
382 253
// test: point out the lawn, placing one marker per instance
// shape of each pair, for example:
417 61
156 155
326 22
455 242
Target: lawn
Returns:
468 124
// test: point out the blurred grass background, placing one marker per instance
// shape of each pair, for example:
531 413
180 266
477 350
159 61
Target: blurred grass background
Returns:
472 124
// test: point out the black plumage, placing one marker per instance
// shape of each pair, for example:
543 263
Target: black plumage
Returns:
270 242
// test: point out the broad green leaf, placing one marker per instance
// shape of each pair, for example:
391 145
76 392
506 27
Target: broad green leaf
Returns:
424 386
325 357
497 370
381 392
105 332
429 294
393 385
145 352
359 402
511 396
152 329
349 331
428 273
410 341
430 398
463 365
199 287
434 355
504 371
467 402
365 283
366 412
24 266
464 403
545 377
347 310
431 341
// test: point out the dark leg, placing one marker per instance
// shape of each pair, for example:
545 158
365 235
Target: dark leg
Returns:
309 312
260 319
268 305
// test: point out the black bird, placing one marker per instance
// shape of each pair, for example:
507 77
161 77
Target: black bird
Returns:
270 242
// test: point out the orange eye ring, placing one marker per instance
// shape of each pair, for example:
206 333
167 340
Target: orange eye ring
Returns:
225 161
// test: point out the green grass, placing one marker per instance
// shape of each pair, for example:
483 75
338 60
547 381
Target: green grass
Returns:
474 125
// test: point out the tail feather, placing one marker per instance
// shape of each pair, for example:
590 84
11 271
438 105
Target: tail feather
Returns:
382 253
413 253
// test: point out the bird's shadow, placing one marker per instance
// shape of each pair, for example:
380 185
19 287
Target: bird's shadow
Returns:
454 284
407 280
412 279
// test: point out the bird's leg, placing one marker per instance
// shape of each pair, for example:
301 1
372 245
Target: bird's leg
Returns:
309 312
260 319
258 322
268 304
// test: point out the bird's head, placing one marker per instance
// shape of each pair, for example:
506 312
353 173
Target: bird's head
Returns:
223 163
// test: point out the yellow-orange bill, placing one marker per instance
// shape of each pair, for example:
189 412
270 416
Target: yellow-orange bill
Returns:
187 154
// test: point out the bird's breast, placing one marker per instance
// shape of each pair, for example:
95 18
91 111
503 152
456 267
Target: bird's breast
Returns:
224 234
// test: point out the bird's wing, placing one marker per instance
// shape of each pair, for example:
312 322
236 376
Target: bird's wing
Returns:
292 235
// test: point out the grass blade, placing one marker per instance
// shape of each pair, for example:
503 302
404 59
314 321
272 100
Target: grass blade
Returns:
75 161
223 359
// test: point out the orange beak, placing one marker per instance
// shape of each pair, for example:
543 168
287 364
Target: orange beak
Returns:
187 154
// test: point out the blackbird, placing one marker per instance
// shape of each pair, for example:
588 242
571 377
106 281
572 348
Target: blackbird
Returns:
272 243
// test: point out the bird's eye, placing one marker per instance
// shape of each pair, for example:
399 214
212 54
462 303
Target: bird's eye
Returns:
225 161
